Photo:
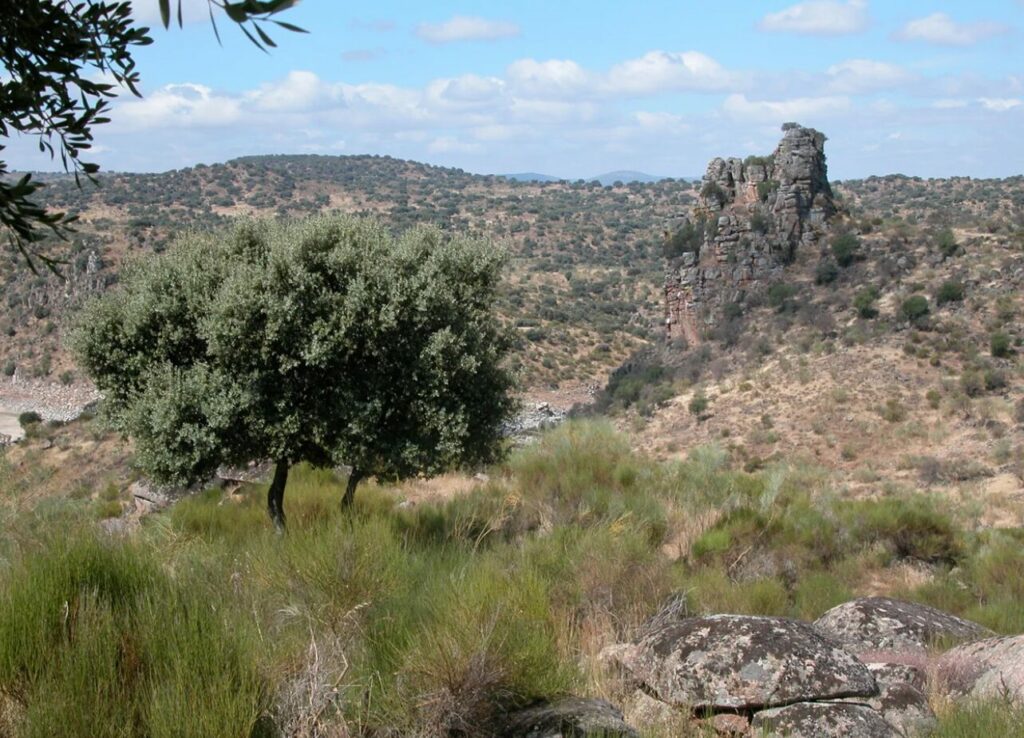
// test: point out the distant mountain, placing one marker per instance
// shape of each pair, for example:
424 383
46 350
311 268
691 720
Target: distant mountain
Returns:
625 176
531 177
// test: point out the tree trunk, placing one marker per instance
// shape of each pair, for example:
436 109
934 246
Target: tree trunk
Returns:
275 495
354 477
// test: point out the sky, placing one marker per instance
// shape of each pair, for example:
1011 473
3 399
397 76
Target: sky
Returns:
574 89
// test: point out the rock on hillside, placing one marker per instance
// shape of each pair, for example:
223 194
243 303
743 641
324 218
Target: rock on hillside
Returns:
989 669
752 216
884 624
822 720
739 662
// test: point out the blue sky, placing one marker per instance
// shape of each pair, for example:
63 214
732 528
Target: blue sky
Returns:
576 88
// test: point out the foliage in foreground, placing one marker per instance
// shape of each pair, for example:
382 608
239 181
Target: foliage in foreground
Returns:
326 341
432 619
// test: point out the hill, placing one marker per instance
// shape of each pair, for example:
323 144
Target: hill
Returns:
625 176
582 289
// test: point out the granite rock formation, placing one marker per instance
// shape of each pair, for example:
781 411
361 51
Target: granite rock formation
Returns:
752 217
883 624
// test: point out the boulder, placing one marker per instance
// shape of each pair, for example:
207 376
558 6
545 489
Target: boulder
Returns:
822 720
992 668
572 717
902 700
882 624
741 662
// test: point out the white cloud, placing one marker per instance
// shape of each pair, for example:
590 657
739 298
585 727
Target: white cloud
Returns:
1000 104
661 122
664 71
819 17
450 144
552 78
939 28
865 75
186 104
299 91
779 111
466 28
949 104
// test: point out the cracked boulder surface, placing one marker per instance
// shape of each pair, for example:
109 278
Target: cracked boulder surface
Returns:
822 720
742 662
872 624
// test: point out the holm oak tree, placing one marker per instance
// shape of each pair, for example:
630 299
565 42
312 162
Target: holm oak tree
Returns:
327 341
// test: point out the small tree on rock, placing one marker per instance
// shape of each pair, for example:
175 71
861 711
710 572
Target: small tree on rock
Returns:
326 341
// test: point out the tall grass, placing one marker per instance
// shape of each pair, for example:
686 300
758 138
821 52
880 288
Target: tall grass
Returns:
434 618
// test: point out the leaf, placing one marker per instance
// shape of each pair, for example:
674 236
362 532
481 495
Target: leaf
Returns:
165 13
288 26
266 39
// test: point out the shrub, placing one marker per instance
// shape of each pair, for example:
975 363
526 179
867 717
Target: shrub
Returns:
9 368
29 418
912 528
894 412
972 383
915 308
766 188
864 302
826 272
995 379
845 249
950 291
712 191
1000 345
933 397
759 222
945 240
780 296
698 404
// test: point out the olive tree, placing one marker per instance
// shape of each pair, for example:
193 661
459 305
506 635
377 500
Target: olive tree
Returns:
327 341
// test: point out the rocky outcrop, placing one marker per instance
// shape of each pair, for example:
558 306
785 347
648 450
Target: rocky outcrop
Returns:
571 717
752 217
872 624
738 662
988 669
822 720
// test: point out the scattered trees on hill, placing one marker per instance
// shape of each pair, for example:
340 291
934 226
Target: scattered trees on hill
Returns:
326 341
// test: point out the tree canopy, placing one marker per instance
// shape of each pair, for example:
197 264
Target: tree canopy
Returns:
62 63
327 341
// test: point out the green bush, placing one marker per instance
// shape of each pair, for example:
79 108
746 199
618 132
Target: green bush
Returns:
1000 345
911 528
698 404
972 383
29 418
845 249
945 240
9 368
915 308
864 302
780 296
766 188
826 272
951 291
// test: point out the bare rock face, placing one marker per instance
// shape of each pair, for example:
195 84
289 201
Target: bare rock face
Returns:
739 662
752 217
872 624
989 669
572 717
822 720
